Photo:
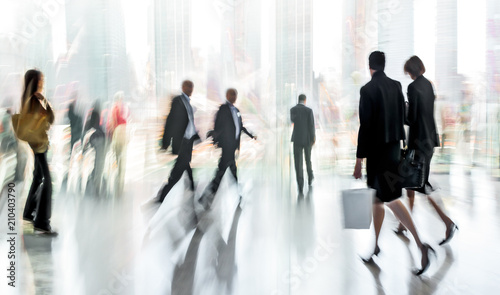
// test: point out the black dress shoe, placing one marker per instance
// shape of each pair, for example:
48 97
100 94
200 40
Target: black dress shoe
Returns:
449 234
28 219
370 259
207 199
46 231
427 261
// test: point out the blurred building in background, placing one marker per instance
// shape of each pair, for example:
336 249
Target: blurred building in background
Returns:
294 72
97 55
493 78
171 43
265 49
396 37
447 81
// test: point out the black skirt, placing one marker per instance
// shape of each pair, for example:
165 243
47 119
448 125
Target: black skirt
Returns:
382 171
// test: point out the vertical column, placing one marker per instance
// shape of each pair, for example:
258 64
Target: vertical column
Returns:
493 76
447 85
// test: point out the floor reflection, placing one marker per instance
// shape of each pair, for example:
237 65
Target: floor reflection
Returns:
265 244
38 257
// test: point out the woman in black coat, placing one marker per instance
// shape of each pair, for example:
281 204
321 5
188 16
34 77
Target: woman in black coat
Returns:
423 135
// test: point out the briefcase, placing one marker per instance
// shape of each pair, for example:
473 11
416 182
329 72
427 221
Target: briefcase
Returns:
357 205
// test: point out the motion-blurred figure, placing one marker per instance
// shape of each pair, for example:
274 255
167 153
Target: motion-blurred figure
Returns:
95 139
423 137
8 150
8 141
117 130
381 116
303 138
75 123
38 206
118 114
179 127
226 134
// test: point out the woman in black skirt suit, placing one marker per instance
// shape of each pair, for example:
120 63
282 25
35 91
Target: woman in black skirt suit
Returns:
423 135
381 116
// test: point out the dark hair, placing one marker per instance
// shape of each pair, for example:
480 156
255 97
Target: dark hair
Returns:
95 119
376 61
302 98
31 80
233 91
414 66
187 83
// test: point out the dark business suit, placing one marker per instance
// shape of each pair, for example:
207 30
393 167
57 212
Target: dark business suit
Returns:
175 128
303 137
381 116
224 135
423 135
175 125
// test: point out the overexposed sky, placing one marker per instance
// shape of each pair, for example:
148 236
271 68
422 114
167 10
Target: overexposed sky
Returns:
327 32
471 37
425 34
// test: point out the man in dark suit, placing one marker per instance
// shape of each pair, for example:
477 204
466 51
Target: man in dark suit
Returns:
303 138
179 128
226 134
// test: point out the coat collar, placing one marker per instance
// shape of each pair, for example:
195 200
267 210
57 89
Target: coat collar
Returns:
378 74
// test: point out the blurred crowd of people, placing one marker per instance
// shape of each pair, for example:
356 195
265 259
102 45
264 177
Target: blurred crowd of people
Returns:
95 144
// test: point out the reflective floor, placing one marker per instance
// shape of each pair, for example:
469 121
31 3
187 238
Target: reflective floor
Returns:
269 241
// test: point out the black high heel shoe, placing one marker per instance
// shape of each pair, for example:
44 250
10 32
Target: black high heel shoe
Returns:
370 259
425 265
449 234
400 232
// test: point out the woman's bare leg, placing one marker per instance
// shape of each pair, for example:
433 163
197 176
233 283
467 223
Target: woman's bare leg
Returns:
411 201
378 219
411 198
447 221
404 217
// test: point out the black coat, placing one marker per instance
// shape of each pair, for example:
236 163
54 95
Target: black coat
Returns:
423 133
76 125
304 132
381 114
175 125
224 133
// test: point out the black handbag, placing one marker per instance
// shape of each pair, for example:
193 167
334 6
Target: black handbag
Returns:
411 170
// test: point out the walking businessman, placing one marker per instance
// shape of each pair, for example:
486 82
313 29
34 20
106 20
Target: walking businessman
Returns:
303 138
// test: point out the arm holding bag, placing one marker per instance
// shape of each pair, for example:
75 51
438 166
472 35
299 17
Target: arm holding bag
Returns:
32 127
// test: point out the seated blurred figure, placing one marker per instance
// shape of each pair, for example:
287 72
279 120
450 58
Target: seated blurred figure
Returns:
94 138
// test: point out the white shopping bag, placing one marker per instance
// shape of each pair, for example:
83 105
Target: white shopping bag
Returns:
357 205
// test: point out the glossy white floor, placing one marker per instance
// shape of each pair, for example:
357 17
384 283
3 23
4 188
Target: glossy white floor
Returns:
273 243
